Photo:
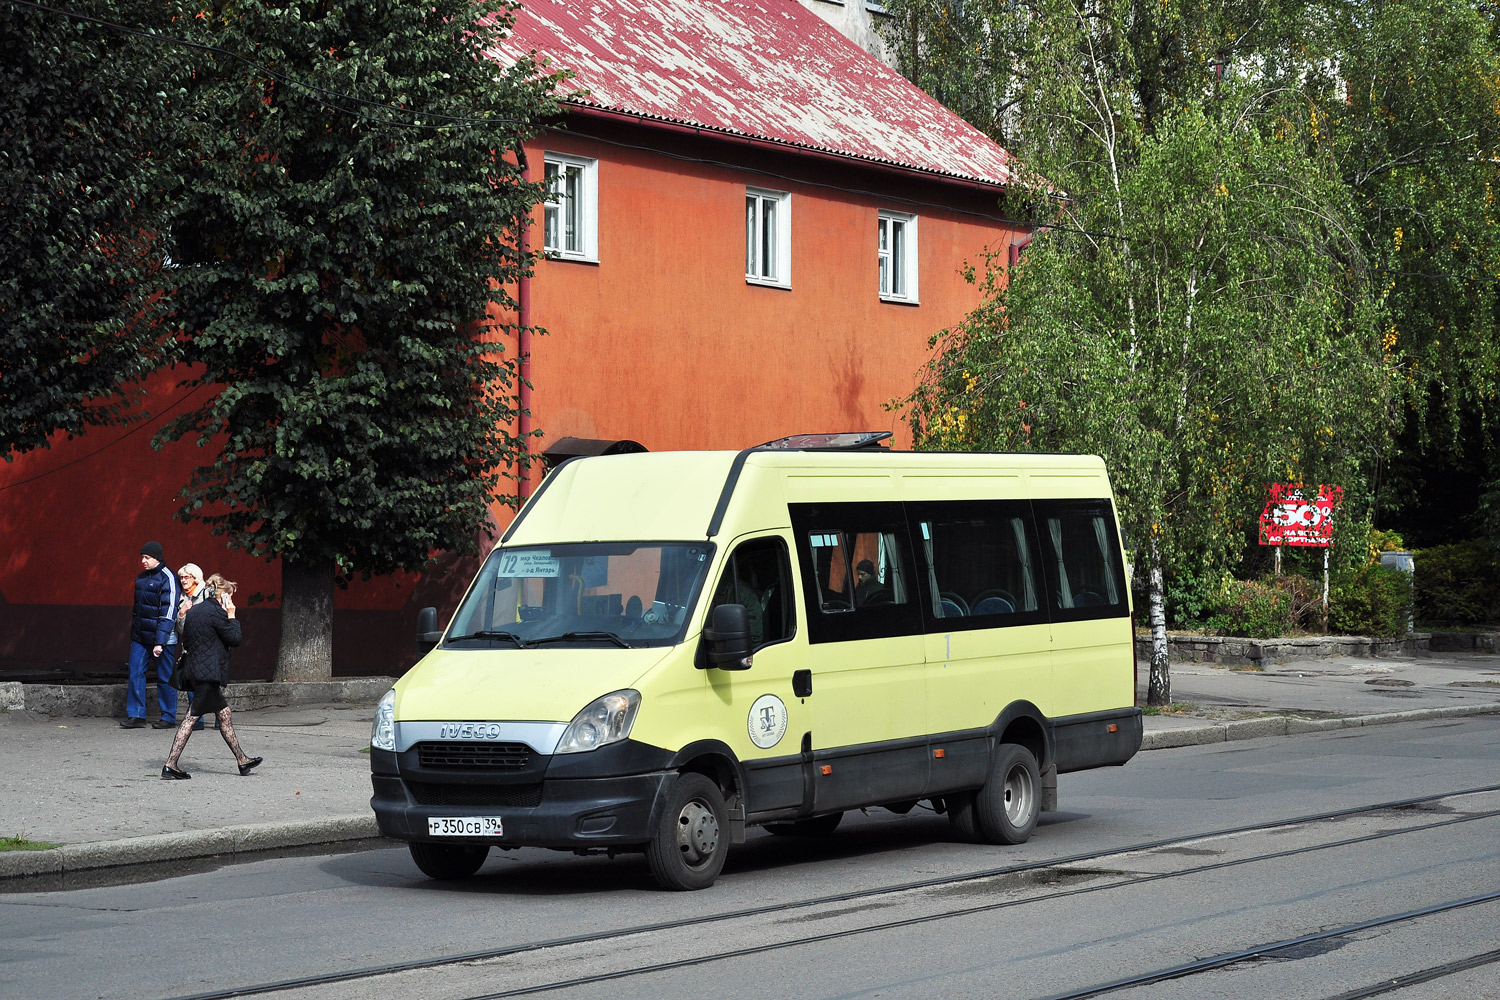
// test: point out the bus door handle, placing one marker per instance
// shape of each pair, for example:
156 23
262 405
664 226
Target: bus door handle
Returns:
802 683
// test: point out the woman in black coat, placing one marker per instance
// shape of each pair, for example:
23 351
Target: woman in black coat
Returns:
209 631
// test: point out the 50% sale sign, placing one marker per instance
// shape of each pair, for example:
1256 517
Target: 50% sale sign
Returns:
1294 515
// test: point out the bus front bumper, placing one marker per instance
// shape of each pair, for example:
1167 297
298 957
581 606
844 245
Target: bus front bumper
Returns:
563 813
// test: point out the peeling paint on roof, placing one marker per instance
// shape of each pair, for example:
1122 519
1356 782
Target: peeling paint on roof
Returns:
765 69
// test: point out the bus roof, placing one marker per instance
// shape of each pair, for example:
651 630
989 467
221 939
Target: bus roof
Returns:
686 495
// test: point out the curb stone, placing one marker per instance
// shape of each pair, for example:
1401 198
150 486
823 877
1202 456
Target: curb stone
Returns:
1284 725
231 840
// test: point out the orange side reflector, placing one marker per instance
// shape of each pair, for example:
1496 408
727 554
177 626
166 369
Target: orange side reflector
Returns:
827 768
940 752
1114 728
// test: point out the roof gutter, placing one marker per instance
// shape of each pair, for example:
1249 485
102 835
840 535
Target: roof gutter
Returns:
781 146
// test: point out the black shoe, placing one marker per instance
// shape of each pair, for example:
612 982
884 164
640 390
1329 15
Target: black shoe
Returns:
198 726
133 723
249 765
172 774
163 724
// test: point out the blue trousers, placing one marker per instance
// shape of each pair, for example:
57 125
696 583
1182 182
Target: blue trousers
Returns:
135 691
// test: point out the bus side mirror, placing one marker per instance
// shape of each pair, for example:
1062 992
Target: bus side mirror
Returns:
428 633
726 640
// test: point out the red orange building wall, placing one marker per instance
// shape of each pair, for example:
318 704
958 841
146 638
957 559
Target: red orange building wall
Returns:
662 341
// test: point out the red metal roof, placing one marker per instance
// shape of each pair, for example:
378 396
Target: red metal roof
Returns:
766 69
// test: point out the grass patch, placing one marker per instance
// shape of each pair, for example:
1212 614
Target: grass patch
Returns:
364 750
1176 708
22 844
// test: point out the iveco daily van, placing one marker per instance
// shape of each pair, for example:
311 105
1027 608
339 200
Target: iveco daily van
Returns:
667 649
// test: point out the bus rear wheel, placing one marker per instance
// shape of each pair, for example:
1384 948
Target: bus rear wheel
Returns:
692 836
1007 807
962 819
448 862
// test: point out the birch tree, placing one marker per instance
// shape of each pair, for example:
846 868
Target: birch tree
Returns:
1196 307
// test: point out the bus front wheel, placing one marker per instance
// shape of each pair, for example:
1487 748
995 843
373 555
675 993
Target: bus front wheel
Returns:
692 836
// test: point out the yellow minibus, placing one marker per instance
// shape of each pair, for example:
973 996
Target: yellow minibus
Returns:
667 649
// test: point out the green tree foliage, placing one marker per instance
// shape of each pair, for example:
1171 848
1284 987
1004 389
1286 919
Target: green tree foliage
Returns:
84 113
348 244
1199 311
1413 115
1458 584
962 53
1403 95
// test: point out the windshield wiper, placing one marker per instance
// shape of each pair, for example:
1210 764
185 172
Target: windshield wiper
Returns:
583 637
490 634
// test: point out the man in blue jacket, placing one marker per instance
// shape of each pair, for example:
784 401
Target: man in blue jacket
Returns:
153 637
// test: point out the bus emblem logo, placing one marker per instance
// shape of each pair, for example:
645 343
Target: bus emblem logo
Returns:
767 722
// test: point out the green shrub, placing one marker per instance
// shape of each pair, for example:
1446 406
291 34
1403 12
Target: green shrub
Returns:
1375 600
1191 597
1458 584
1257 609
1305 597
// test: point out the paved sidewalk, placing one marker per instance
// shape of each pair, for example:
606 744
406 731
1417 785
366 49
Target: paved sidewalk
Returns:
1217 703
96 789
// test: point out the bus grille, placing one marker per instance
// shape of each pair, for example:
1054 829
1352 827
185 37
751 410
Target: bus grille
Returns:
474 756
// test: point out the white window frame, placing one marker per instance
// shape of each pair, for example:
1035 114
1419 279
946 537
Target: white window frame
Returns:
896 257
555 207
779 273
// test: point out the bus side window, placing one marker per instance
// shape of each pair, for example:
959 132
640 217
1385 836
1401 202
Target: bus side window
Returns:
859 573
980 560
1083 565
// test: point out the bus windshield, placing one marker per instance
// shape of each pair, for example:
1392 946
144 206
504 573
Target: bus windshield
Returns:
582 593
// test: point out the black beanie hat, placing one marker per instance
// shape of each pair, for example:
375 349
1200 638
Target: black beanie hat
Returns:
153 549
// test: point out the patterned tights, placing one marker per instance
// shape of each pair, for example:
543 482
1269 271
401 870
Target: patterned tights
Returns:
226 730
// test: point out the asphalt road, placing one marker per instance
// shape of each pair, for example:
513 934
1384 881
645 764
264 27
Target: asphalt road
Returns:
882 908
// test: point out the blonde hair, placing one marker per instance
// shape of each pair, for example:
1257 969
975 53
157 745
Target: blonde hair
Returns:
219 585
193 570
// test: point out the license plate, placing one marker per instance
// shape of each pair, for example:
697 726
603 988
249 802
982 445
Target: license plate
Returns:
463 826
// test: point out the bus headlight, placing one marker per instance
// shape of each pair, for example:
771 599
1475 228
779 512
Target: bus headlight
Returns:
383 733
606 720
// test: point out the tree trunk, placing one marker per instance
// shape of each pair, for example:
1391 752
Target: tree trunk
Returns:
1159 690
306 650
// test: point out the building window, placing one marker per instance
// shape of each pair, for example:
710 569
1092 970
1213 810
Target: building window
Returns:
572 207
896 245
768 237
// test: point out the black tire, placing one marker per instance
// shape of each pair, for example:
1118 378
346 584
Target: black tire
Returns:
692 835
818 826
961 818
448 862
1008 805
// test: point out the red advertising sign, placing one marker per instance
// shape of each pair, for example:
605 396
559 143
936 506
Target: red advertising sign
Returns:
1293 516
